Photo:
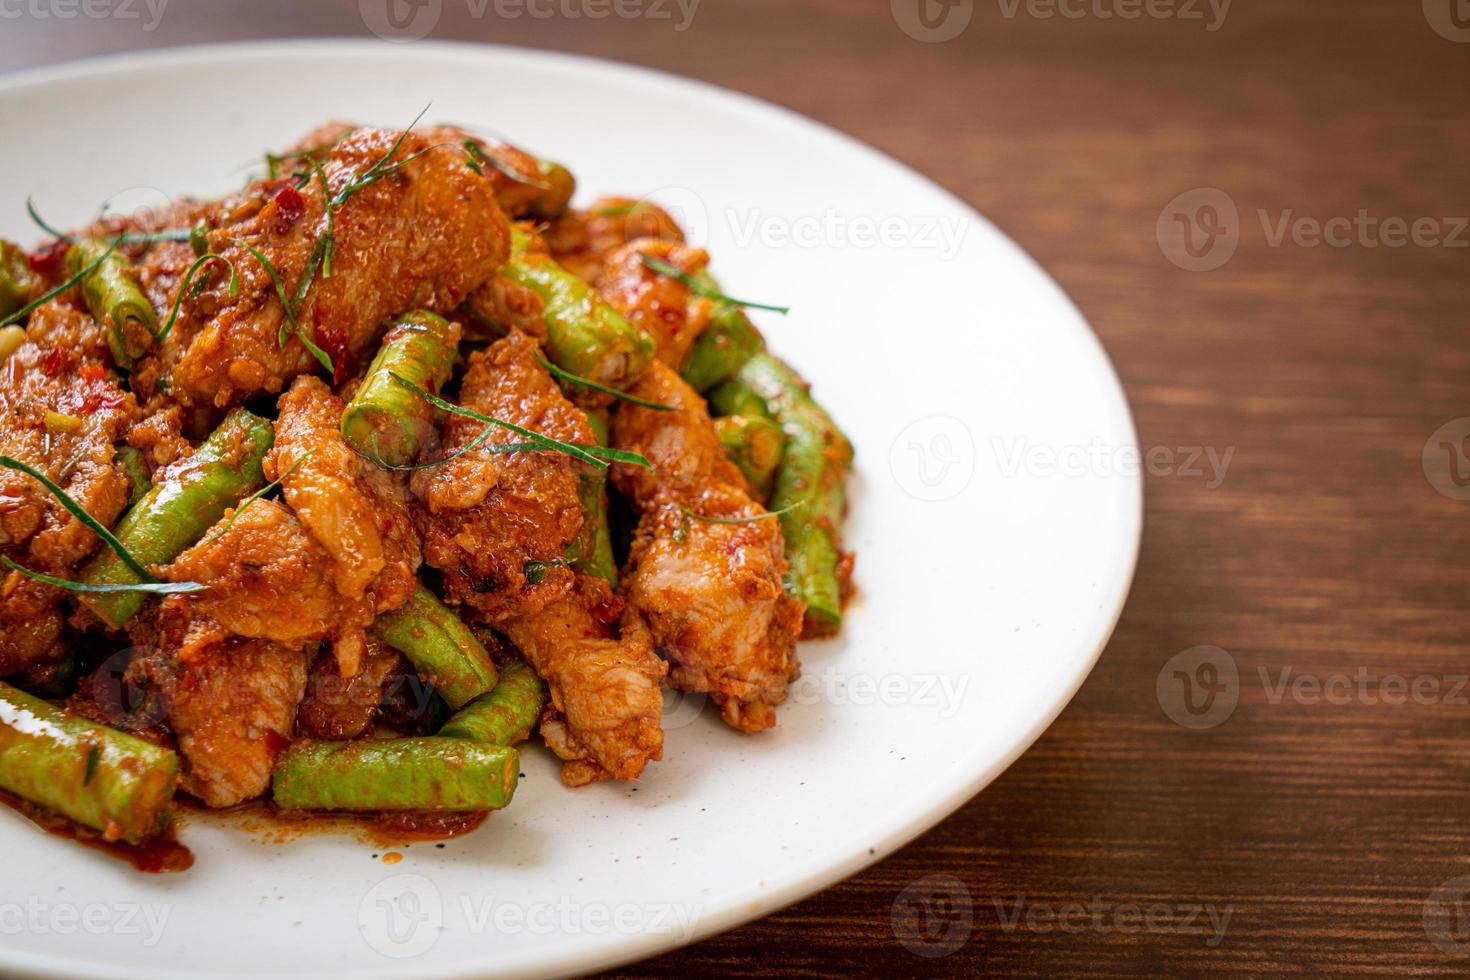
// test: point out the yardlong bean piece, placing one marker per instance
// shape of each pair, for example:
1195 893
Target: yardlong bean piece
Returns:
108 780
755 444
445 774
506 714
140 481
114 299
727 343
174 514
15 278
584 335
440 647
809 482
387 421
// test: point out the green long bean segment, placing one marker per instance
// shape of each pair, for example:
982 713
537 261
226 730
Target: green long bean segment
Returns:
558 186
505 715
727 343
440 647
444 774
809 482
114 299
591 553
387 421
113 782
16 278
174 514
136 468
584 335
754 444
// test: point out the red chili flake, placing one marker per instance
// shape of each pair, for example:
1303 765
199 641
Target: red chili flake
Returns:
49 259
51 363
92 372
290 206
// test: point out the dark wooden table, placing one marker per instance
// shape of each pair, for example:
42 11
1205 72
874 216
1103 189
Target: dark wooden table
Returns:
1329 822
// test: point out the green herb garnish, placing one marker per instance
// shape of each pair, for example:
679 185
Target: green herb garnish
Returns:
199 263
41 222
289 324
576 379
593 455
701 288
741 520
80 513
156 588
478 154
94 754
536 570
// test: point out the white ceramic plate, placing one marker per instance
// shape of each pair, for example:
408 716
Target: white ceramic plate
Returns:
995 514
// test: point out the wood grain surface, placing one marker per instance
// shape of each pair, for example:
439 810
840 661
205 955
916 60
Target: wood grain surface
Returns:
1319 816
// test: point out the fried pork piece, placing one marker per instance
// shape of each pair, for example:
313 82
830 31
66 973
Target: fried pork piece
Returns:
422 236
710 590
62 415
337 707
516 198
484 515
268 579
665 308
230 701
356 511
603 718
581 240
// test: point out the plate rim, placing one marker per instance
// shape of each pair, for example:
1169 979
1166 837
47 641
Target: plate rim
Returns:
808 878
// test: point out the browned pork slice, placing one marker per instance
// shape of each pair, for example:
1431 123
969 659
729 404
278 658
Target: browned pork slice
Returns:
356 511
662 306
63 415
604 715
337 707
420 232
230 701
266 578
706 577
486 516
581 240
